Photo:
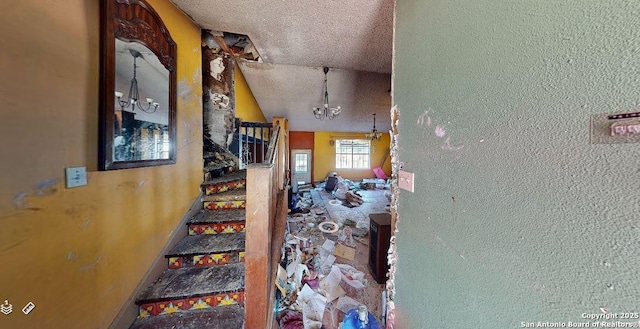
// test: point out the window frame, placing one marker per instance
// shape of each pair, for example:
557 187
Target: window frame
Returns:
349 153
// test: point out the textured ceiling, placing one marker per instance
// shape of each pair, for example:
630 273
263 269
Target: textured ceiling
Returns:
295 39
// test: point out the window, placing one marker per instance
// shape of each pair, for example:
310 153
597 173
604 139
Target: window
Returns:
352 154
301 162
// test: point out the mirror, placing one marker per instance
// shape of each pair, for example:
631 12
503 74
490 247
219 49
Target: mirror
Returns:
137 87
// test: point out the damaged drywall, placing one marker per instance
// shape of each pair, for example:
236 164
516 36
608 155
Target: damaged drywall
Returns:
238 45
218 100
218 95
392 256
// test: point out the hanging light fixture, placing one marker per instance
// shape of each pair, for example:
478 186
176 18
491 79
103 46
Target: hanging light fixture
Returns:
133 100
326 111
374 135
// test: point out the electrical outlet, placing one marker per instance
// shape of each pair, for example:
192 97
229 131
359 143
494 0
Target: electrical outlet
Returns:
406 180
76 176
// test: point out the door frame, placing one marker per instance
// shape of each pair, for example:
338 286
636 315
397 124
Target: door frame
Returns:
309 165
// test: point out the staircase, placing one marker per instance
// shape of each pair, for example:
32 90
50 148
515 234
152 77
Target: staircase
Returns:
203 286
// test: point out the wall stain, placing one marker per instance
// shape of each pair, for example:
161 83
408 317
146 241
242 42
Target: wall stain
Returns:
43 188
424 122
183 89
81 215
197 76
448 247
140 184
421 119
447 146
130 185
71 256
19 200
91 265
12 238
46 187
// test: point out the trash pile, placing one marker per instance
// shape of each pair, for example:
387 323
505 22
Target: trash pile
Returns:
347 191
310 280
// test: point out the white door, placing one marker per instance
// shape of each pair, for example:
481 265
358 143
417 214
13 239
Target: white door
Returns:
301 167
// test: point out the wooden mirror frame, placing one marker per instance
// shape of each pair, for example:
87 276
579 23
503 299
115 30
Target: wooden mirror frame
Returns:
132 21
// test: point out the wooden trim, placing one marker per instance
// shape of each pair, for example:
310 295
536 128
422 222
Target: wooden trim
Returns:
259 212
223 45
129 310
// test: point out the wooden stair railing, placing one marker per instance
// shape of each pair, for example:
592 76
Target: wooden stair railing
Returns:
266 211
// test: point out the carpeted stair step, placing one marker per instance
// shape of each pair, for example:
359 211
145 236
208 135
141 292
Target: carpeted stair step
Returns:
193 288
207 250
234 199
230 317
232 181
216 222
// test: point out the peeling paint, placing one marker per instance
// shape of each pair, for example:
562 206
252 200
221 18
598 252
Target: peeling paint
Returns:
216 68
440 132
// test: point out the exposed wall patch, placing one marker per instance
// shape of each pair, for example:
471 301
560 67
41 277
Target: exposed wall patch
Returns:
392 256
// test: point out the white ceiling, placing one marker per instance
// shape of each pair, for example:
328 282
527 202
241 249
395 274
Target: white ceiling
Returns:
295 40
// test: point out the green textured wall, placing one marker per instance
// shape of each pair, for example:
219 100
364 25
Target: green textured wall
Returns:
516 217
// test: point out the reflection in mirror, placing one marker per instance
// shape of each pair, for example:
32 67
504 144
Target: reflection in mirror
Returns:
141 104
137 87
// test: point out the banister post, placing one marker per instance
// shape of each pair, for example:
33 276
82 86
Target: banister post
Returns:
258 228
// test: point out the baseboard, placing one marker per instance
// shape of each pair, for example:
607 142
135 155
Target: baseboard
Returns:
129 310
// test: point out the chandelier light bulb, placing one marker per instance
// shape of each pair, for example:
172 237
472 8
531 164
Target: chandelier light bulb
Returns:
132 102
326 111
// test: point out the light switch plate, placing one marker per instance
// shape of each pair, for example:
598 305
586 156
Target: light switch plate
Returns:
76 176
406 180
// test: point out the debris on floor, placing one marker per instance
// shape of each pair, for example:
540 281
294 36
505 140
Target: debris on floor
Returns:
324 267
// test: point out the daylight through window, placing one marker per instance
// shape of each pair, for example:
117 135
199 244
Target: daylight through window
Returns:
352 154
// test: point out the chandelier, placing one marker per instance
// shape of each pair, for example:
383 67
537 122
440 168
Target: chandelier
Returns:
326 111
374 135
133 100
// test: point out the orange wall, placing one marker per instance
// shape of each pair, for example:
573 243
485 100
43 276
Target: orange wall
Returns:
325 156
302 140
78 253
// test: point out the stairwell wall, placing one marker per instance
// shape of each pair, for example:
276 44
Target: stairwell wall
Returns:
77 254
